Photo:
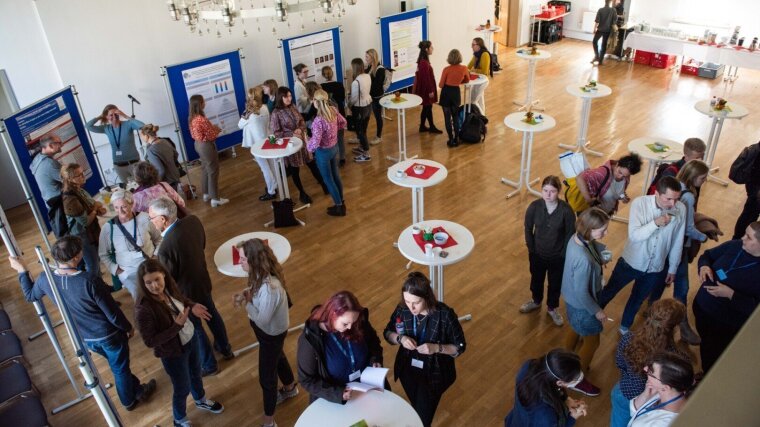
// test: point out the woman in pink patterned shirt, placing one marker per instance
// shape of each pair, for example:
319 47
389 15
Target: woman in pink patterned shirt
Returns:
204 133
151 188
323 143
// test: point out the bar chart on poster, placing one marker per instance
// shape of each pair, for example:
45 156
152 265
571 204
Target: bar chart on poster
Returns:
214 82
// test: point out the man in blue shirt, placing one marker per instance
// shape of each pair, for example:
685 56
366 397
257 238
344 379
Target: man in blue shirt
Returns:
98 319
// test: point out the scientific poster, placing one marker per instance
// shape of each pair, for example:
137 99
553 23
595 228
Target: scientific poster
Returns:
316 51
53 118
214 82
405 36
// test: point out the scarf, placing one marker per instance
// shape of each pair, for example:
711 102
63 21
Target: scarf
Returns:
477 56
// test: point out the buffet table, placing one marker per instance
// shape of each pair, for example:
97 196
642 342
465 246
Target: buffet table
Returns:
728 55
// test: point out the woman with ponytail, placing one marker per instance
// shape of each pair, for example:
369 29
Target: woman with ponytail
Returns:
670 381
425 87
323 143
635 351
541 398
162 154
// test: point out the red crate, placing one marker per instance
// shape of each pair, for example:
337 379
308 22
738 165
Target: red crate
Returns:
690 68
660 60
560 10
643 57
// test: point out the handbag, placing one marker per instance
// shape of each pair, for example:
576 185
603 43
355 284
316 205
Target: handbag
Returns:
181 210
283 213
115 281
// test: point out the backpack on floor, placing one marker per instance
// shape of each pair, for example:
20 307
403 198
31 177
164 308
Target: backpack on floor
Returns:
472 129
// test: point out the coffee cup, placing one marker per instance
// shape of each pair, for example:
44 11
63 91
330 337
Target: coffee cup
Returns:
429 249
416 230
606 255
400 173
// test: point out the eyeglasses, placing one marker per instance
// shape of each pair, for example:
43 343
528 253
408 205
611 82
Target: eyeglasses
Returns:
154 217
648 370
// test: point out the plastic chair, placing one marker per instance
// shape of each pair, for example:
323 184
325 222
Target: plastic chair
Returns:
25 410
10 348
15 382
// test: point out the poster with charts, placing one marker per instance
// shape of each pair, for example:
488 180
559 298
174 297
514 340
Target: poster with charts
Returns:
214 82
316 51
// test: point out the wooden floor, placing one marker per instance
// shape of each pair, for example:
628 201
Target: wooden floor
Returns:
356 252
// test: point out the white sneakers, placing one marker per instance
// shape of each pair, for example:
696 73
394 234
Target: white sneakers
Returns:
219 202
376 141
554 314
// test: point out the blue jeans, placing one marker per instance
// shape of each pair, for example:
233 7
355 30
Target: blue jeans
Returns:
327 162
185 373
116 350
643 284
680 283
621 414
216 324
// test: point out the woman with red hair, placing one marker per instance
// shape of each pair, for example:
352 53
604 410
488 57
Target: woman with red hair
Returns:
337 343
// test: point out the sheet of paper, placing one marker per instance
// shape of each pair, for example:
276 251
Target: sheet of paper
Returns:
374 376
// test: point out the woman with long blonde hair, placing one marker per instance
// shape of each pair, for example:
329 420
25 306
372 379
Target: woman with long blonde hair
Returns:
635 351
255 125
376 73
266 302
323 143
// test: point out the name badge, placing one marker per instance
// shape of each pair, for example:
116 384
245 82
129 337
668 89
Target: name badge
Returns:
355 375
721 275
417 363
119 153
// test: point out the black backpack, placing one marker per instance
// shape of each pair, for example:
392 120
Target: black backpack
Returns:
742 169
473 128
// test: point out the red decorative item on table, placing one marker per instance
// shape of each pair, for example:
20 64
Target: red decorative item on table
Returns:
427 173
280 144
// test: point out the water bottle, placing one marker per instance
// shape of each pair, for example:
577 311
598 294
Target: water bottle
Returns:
713 102
399 326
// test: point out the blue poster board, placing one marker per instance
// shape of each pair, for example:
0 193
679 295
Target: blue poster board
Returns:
315 50
57 115
402 57
216 78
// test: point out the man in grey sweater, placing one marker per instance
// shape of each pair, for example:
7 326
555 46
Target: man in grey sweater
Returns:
46 169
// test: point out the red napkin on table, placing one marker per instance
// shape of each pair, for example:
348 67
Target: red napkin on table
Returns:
427 173
421 242
473 77
236 254
281 143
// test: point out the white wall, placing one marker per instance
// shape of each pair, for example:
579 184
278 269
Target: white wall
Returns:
24 52
451 24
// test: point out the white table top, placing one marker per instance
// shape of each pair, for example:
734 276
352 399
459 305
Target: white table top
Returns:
276 153
377 408
223 256
479 81
726 55
493 28
737 111
411 100
540 54
515 121
411 250
410 181
639 146
553 17
575 90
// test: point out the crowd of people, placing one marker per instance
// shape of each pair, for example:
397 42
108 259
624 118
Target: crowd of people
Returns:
155 248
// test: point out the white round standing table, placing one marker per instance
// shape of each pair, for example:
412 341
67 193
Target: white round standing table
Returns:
223 260
469 88
582 141
223 256
718 116
410 100
279 154
417 184
377 408
412 251
640 146
515 121
532 60
488 35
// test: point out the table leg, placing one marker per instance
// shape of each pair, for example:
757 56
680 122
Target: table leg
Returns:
468 99
712 148
256 344
529 102
528 182
421 203
582 141
648 177
439 274
433 282
415 209
518 185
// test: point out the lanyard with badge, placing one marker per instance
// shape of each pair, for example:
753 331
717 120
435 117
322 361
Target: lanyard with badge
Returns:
355 373
417 363
117 141
723 274
650 408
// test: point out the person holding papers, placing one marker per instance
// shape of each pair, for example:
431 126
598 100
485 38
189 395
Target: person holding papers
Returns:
338 342
430 337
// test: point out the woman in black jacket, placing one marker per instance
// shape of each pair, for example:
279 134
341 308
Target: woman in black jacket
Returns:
430 337
376 72
337 343
161 313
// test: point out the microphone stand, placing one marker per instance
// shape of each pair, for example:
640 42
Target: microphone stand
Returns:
142 148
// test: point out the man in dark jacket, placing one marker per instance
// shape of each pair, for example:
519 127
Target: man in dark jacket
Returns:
182 252
751 210
100 322
605 18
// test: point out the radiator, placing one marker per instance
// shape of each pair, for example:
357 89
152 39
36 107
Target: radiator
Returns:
587 23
